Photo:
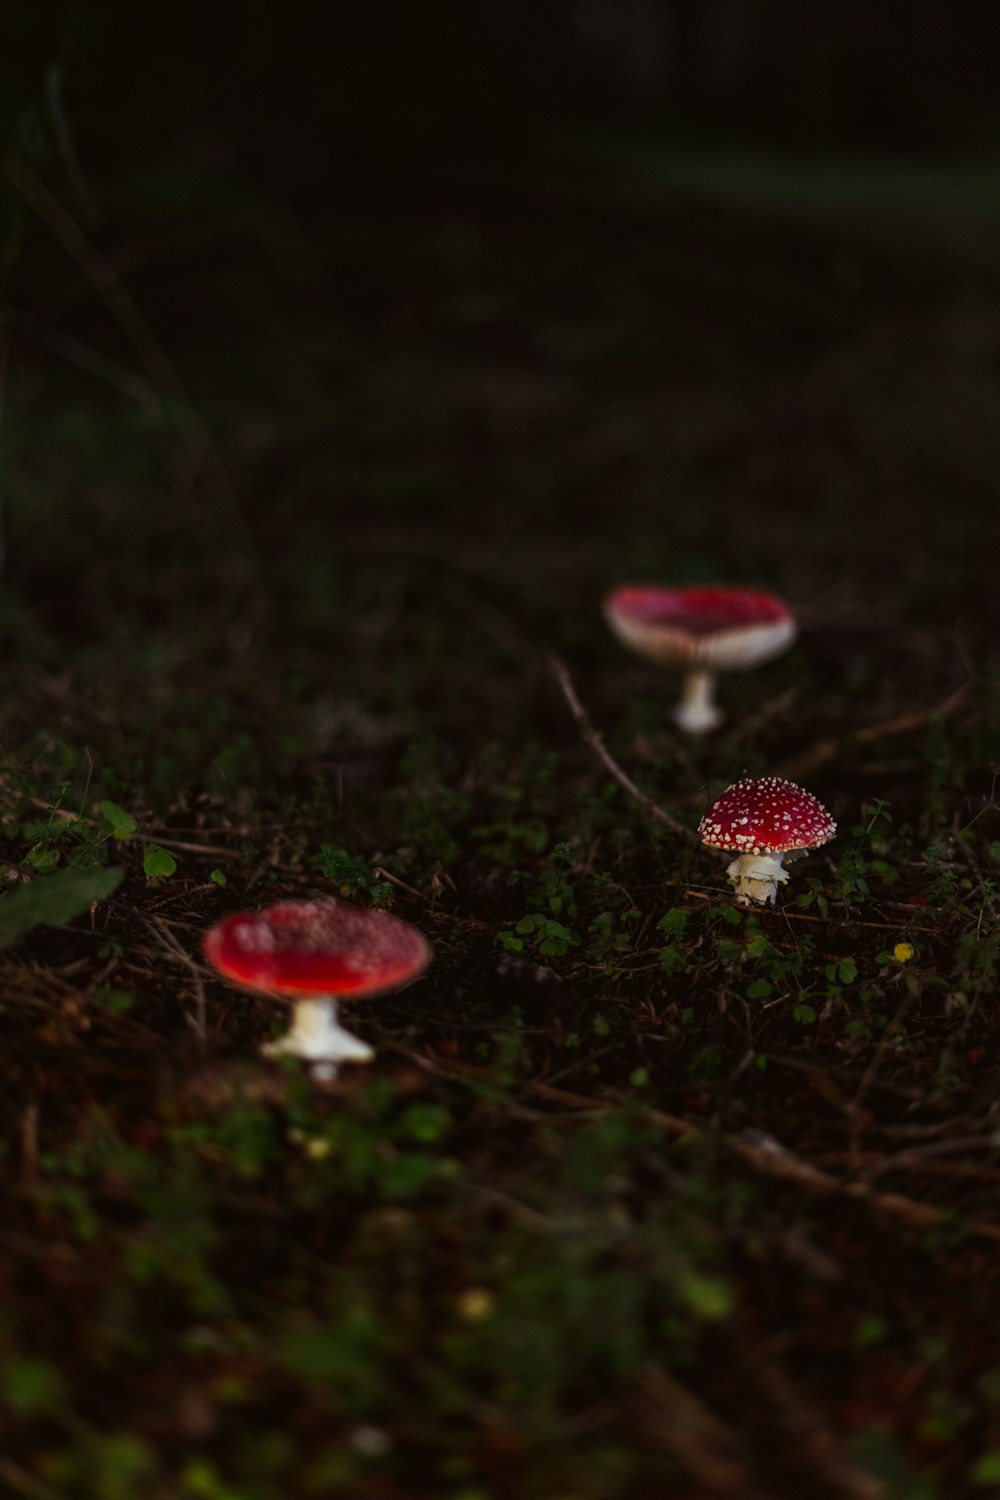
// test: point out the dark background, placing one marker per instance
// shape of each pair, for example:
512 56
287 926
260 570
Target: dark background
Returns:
374 97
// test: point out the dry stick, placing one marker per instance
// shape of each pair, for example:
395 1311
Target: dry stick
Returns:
919 1157
593 739
773 1159
215 850
168 941
827 750
75 352
29 1140
871 1071
765 1154
395 880
98 270
804 1426
21 1482
805 916
674 1419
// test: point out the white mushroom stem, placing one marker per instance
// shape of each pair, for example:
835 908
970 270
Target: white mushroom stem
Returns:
697 711
756 877
317 1036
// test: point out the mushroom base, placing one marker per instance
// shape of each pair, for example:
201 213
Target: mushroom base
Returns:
756 878
317 1036
697 712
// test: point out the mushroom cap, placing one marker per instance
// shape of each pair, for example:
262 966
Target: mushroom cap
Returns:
766 816
303 948
712 626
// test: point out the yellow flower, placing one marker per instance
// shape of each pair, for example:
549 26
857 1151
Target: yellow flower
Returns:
902 952
475 1304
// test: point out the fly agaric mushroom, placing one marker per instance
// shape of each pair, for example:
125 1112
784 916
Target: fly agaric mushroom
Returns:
704 630
762 821
315 953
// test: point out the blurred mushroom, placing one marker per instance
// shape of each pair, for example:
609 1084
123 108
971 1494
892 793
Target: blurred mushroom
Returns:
763 821
315 953
703 630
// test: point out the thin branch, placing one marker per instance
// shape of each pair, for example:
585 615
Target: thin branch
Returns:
919 1156
99 272
806 1429
825 751
775 1160
135 387
677 1421
385 874
854 1110
758 1149
167 942
591 737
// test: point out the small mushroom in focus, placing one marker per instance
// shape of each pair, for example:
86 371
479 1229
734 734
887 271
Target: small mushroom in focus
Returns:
315 953
703 630
763 822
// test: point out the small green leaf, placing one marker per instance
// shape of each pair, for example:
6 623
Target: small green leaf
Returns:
847 970
873 1329
217 877
705 1296
758 990
426 1123
158 861
672 924
31 1387
53 900
112 999
986 1469
121 825
43 857
728 950
804 1014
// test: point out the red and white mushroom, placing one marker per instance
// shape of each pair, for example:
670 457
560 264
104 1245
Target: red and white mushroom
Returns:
703 630
764 821
315 953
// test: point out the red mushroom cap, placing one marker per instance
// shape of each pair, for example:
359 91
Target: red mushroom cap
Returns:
709 625
302 948
766 816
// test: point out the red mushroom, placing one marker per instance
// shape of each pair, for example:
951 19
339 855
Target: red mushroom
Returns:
314 953
762 821
705 629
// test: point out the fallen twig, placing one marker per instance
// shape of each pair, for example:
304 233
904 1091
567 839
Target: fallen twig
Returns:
820 1447
593 739
167 941
679 1423
759 1150
826 750
770 1157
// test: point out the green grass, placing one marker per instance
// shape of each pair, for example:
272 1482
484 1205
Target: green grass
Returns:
644 1194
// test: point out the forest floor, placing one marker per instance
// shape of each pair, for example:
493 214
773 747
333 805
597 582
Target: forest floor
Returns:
644 1195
